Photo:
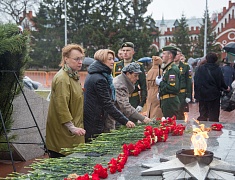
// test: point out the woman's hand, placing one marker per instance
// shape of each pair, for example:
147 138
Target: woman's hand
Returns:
130 124
79 131
75 130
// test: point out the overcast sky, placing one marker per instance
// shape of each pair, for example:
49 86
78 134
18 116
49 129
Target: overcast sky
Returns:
173 9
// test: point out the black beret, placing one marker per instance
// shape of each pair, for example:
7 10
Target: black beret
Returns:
128 44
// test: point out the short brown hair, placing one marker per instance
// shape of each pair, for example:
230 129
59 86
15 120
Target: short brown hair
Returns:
67 50
102 54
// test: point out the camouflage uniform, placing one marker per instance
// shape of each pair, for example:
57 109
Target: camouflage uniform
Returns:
185 88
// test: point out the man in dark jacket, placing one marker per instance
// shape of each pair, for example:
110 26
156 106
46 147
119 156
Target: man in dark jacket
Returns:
208 84
228 72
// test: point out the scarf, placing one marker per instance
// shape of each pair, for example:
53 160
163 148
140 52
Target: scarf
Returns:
109 78
71 73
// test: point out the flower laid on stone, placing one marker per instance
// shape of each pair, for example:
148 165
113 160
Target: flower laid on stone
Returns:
216 127
77 177
178 130
169 126
120 143
101 171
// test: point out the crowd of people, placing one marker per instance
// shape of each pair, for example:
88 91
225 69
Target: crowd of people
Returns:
115 93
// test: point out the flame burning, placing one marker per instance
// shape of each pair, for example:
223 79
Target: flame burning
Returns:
196 121
198 139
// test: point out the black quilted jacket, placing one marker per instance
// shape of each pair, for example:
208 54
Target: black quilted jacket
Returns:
97 100
207 88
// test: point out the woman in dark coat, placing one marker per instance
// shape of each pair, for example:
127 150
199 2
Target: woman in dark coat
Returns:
208 83
99 95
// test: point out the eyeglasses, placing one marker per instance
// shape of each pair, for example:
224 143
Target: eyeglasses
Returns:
78 58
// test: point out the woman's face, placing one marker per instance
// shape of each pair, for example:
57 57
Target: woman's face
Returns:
110 61
74 61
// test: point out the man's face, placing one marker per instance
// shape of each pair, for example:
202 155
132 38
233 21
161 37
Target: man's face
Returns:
177 57
182 59
165 56
133 77
120 54
128 53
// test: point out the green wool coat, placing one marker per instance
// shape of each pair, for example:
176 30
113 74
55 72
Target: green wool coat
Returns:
66 104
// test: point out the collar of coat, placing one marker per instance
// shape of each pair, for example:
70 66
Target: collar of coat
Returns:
123 79
168 66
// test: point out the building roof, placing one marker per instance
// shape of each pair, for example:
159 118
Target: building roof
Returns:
194 22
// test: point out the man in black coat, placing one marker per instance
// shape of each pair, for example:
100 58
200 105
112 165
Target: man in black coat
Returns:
208 83
228 72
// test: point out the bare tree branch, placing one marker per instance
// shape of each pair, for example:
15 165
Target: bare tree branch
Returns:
15 8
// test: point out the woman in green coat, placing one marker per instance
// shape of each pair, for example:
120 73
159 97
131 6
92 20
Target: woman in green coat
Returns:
65 115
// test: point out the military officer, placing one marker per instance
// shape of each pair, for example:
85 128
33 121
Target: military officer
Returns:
185 94
169 83
136 100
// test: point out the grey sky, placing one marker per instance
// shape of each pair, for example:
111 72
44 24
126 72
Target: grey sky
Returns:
173 9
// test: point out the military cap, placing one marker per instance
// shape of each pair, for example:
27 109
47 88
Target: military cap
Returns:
178 49
169 48
132 68
172 49
128 44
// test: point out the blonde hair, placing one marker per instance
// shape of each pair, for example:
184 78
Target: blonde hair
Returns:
102 55
67 50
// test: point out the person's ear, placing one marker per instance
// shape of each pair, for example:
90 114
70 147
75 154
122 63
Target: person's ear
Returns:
133 52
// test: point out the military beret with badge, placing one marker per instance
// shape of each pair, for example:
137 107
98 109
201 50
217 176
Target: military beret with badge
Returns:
178 49
172 49
128 44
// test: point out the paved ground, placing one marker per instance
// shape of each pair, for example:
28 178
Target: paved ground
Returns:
221 143
227 117
6 166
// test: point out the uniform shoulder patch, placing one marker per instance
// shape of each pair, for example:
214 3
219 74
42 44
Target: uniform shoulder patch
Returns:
172 79
190 73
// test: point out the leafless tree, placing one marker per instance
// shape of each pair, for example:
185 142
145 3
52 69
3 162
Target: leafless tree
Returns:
14 9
